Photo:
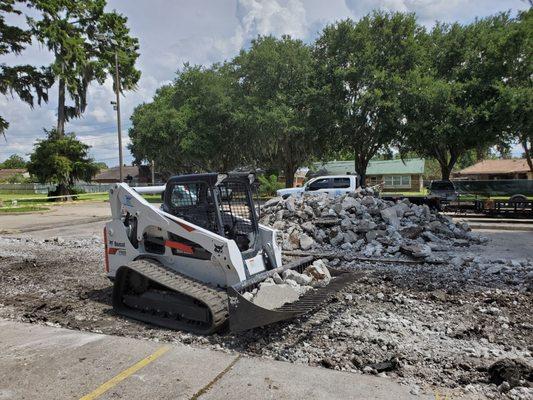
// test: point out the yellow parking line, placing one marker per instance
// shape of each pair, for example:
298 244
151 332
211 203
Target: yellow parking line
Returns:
124 374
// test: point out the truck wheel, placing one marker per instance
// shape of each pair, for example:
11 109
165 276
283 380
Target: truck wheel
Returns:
517 198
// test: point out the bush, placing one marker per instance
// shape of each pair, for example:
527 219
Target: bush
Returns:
76 190
268 185
61 160
18 178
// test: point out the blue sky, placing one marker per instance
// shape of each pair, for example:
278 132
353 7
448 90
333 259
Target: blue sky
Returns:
172 32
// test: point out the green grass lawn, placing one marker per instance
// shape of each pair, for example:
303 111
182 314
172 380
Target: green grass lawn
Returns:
22 209
35 202
34 199
422 193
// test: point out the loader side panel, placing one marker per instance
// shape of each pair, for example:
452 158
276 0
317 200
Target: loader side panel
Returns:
139 229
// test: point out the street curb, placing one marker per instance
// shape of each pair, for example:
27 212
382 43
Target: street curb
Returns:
502 227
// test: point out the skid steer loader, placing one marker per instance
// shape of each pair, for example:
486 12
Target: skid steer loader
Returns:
186 264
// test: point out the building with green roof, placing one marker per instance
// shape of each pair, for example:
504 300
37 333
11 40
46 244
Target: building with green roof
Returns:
396 175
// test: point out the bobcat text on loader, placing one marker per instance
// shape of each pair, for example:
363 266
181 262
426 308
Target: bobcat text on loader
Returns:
187 264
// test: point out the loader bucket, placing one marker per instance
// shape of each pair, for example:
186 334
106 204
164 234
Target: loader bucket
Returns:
244 314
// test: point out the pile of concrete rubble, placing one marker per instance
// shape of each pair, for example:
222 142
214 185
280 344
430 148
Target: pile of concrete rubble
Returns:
361 222
289 286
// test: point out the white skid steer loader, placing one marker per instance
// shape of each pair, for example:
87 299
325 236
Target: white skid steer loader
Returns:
187 264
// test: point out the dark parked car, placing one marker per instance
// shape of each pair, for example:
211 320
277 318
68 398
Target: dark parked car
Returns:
443 190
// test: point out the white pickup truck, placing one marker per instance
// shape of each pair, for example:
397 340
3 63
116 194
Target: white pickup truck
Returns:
335 185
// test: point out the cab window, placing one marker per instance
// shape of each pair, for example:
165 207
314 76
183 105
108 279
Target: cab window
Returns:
341 183
184 195
319 184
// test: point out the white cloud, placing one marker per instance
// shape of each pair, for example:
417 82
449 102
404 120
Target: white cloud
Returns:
253 17
264 17
201 32
99 120
428 11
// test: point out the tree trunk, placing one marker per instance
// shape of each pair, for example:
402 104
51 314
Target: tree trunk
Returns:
361 164
480 154
61 117
61 190
447 159
445 171
527 152
290 170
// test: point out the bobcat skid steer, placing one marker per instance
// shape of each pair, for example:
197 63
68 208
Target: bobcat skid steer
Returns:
187 264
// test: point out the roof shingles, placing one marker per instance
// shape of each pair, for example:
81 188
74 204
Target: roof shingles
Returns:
506 166
412 166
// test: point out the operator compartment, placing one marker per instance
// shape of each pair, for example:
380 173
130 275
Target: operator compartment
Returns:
220 203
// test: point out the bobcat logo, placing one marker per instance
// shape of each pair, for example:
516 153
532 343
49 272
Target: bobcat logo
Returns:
218 249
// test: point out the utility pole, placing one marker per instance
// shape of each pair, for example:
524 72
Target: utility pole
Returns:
153 173
117 106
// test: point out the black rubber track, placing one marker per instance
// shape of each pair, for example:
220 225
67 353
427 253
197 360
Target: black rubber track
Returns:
213 299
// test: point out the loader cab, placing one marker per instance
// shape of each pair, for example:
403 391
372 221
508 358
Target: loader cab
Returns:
220 203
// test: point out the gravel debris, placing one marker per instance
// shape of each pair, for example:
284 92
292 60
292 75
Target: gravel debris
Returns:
360 223
462 326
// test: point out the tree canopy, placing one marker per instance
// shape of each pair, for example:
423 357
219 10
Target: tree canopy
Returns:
62 160
189 127
252 112
363 68
275 78
363 89
452 98
14 161
83 39
514 107
29 83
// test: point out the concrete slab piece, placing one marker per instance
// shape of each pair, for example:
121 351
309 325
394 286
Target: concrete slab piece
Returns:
250 379
55 363
274 296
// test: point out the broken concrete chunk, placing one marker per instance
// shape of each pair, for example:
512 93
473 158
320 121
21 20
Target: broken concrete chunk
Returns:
337 240
309 227
401 209
373 235
272 202
274 296
430 237
387 365
417 250
277 279
306 242
248 296
279 225
368 201
512 371
411 232
319 273
301 279
290 204
365 226
390 216
294 238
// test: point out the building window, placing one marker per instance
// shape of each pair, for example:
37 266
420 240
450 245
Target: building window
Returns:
373 180
398 181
